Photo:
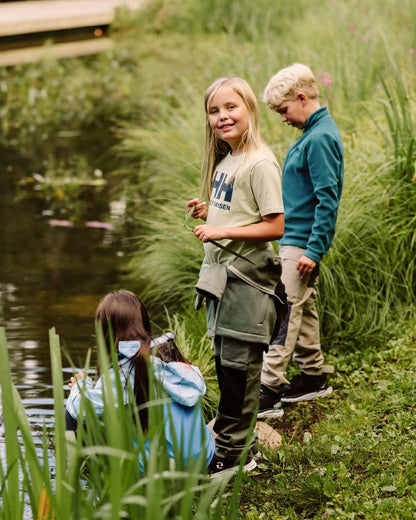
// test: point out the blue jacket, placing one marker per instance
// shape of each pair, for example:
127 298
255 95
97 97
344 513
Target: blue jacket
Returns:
183 383
313 175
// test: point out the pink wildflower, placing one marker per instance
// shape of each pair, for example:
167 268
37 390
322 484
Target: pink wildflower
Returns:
411 52
327 80
352 26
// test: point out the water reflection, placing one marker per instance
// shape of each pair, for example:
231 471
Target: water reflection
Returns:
50 276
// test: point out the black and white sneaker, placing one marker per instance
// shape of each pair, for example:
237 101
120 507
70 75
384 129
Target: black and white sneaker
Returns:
269 404
221 466
305 387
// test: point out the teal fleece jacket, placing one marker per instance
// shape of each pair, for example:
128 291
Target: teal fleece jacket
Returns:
313 176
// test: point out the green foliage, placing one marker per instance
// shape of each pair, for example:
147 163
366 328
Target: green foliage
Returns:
368 275
9 472
349 456
243 19
103 472
191 337
51 99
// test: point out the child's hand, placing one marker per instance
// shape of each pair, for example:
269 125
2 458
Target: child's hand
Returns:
205 232
73 380
305 266
200 208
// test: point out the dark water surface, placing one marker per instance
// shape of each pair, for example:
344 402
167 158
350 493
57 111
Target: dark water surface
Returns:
50 276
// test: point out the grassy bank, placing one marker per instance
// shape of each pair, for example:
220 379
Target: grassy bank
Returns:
367 77
145 96
349 456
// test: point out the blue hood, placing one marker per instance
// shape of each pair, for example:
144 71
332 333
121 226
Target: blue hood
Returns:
182 382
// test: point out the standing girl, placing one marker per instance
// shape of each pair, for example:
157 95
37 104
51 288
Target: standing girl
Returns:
126 327
242 182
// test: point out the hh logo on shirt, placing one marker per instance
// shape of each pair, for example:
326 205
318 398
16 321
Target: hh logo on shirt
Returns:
221 193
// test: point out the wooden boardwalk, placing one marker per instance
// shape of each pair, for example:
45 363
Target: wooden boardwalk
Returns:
18 19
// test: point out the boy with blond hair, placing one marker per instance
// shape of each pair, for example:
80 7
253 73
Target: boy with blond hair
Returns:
313 174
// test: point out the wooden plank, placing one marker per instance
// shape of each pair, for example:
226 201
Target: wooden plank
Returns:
53 15
58 50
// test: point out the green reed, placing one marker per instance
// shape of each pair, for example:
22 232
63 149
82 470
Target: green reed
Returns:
104 472
11 508
368 276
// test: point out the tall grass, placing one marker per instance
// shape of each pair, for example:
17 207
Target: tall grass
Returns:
149 90
244 19
370 262
366 74
104 472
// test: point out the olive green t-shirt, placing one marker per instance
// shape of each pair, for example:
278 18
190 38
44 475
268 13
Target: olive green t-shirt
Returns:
244 189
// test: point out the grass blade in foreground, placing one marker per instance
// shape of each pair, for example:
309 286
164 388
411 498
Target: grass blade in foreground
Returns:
129 473
10 489
110 452
62 504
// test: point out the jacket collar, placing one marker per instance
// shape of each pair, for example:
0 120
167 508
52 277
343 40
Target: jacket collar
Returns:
129 349
316 116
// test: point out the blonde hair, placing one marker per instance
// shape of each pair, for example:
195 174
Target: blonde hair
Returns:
287 83
216 149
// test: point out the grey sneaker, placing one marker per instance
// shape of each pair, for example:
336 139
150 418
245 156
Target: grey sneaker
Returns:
269 404
305 387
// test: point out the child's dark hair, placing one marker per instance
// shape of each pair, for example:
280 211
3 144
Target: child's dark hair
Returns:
126 316
168 351
123 317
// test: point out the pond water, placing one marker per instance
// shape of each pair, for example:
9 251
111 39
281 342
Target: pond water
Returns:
51 275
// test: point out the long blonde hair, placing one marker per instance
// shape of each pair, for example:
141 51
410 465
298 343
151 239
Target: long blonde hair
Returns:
216 149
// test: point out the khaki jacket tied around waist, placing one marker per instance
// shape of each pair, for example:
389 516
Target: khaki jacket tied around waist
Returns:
241 298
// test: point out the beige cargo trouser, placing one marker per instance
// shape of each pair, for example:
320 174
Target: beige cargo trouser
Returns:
299 333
